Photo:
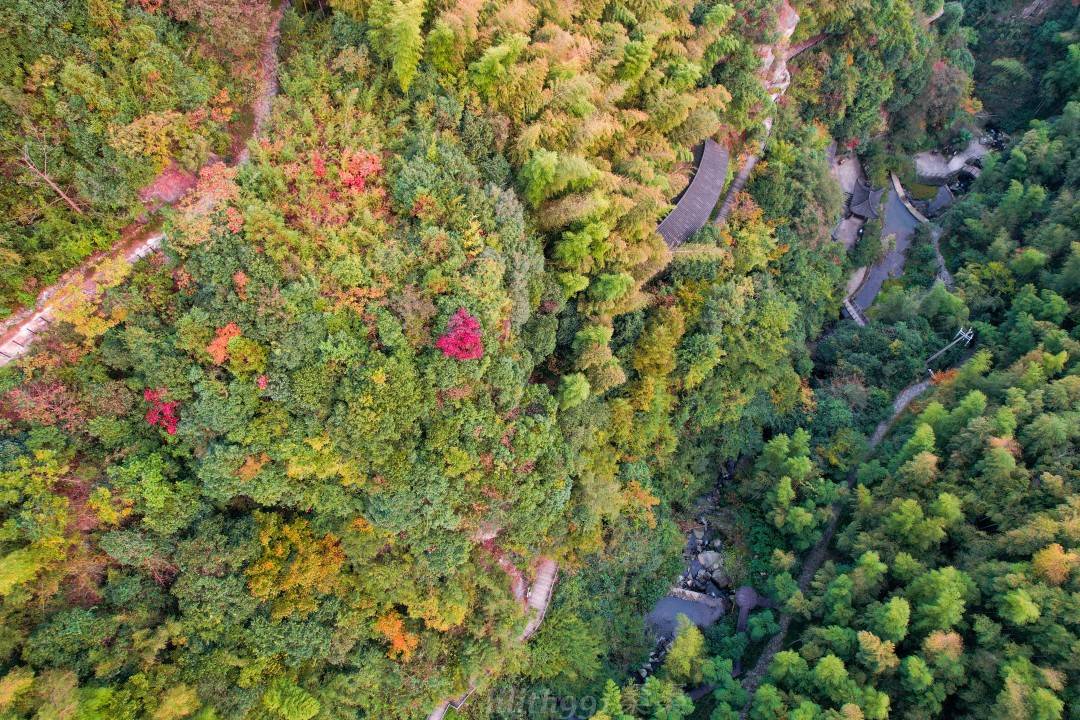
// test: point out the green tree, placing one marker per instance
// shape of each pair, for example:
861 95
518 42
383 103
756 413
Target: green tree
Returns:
396 35
686 653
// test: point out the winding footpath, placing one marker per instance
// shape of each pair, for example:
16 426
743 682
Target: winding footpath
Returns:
692 212
100 271
535 602
816 557
775 77
943 271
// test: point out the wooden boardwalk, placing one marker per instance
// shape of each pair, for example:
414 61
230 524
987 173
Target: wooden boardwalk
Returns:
536 601
697 202
536 604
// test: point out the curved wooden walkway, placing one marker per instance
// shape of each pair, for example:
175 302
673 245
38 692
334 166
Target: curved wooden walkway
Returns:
539 595
697 202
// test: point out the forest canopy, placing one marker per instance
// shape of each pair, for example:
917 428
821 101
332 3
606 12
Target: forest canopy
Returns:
412 341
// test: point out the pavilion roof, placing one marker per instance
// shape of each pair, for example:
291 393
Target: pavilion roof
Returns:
865 200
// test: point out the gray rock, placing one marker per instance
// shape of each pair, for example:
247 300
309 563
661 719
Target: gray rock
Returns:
746 597
710 559
721 578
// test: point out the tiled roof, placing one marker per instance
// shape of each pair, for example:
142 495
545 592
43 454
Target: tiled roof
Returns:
698 200
865 200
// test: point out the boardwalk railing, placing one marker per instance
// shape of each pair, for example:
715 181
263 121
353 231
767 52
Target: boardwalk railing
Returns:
854 312
540 596
536 603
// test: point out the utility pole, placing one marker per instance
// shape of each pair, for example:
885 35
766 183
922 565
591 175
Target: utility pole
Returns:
965 335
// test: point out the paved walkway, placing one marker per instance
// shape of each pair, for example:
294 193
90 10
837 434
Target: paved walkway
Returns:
934 168
94 275
847 171
536 600
800 47
74 287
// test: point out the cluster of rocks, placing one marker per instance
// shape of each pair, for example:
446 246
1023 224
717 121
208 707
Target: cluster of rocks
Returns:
705 571
656 659
994 139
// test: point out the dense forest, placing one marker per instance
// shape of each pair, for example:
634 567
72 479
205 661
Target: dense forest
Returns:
416 336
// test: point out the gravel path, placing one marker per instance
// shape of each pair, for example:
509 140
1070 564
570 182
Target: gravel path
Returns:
943 272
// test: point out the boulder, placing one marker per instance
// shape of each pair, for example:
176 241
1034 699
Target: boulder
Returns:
720 578
710 559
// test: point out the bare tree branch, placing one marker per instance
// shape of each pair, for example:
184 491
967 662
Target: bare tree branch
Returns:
43 174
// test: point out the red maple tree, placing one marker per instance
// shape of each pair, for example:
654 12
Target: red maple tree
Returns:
318 164
358 167
218 349
462 338
161 413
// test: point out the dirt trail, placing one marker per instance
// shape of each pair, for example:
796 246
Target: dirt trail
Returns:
816 558
776 77
137 241
268 80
